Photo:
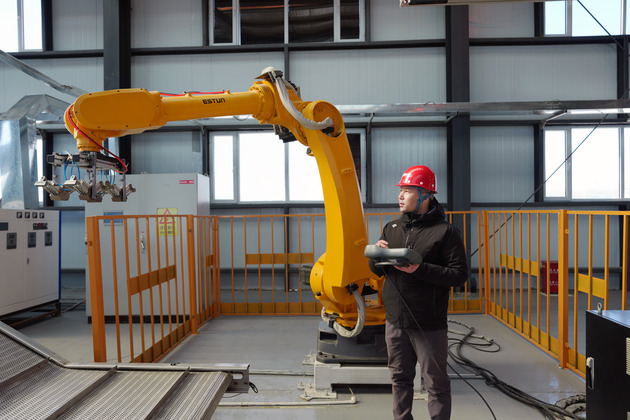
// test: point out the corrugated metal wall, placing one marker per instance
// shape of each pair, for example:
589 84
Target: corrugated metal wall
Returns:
542 73
396 149
501 164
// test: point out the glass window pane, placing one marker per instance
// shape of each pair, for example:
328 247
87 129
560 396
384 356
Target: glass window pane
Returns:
595 165
349 19
32 25
555 18
311 21
8 26
304 181
555 154
261 167
223 22
223 167
262 21
608 13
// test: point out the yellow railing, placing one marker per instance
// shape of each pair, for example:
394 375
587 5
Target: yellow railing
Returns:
265 262
590 250
160 277
153 276
176 272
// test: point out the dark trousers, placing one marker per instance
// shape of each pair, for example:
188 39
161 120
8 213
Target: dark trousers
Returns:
406 347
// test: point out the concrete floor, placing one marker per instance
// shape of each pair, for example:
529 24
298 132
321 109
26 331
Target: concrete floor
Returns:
276 347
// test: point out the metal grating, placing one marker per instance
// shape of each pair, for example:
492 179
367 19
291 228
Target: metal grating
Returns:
132 395
198 396
15 359
46 391
35 383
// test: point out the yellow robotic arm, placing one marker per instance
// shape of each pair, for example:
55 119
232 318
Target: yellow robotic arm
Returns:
340 275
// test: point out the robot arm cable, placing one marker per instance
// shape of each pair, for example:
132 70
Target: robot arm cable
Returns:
69 115
288 104
360 318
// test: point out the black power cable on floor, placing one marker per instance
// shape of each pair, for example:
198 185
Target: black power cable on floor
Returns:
547 410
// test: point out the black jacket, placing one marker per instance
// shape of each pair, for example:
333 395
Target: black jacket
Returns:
426 290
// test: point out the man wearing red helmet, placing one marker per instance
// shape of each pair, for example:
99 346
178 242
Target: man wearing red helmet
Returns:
416 296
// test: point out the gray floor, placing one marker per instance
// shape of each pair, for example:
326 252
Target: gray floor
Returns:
275 347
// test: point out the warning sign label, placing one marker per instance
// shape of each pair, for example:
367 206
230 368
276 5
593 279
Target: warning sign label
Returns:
168 226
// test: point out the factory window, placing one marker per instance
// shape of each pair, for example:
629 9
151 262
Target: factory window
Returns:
586 18
255 166
586 163
243 22
261 167
223 167
20 25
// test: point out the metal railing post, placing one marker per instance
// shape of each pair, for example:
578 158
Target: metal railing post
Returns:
486 263
563 288
192 282
96 289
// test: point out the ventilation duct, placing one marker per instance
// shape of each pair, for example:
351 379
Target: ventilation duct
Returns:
18 148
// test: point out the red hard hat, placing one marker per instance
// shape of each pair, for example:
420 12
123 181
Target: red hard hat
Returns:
418 176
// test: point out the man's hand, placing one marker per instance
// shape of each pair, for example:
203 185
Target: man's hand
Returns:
408 269
382 244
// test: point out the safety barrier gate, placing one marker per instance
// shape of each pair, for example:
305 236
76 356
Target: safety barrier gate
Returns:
159 277
152 275
546 268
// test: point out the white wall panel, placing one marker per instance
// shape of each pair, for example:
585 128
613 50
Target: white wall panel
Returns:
73 236
84 73
166 152
166 23
502 164
371 77
535 73
77 25
396 149
390 22
176 74
503 20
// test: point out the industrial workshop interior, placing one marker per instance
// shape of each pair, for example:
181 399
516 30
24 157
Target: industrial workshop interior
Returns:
191 192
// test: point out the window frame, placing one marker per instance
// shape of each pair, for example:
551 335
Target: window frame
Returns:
287 201
568 19
571 141
23 26
236 33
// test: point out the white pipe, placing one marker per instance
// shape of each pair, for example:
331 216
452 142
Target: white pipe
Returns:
280 373
352 400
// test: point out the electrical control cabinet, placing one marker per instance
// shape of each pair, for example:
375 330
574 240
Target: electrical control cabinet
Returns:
181 194
608 364
29 259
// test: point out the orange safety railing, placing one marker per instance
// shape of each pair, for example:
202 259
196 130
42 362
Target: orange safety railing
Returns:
546 268
160 277
265 261
176 272
153 276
